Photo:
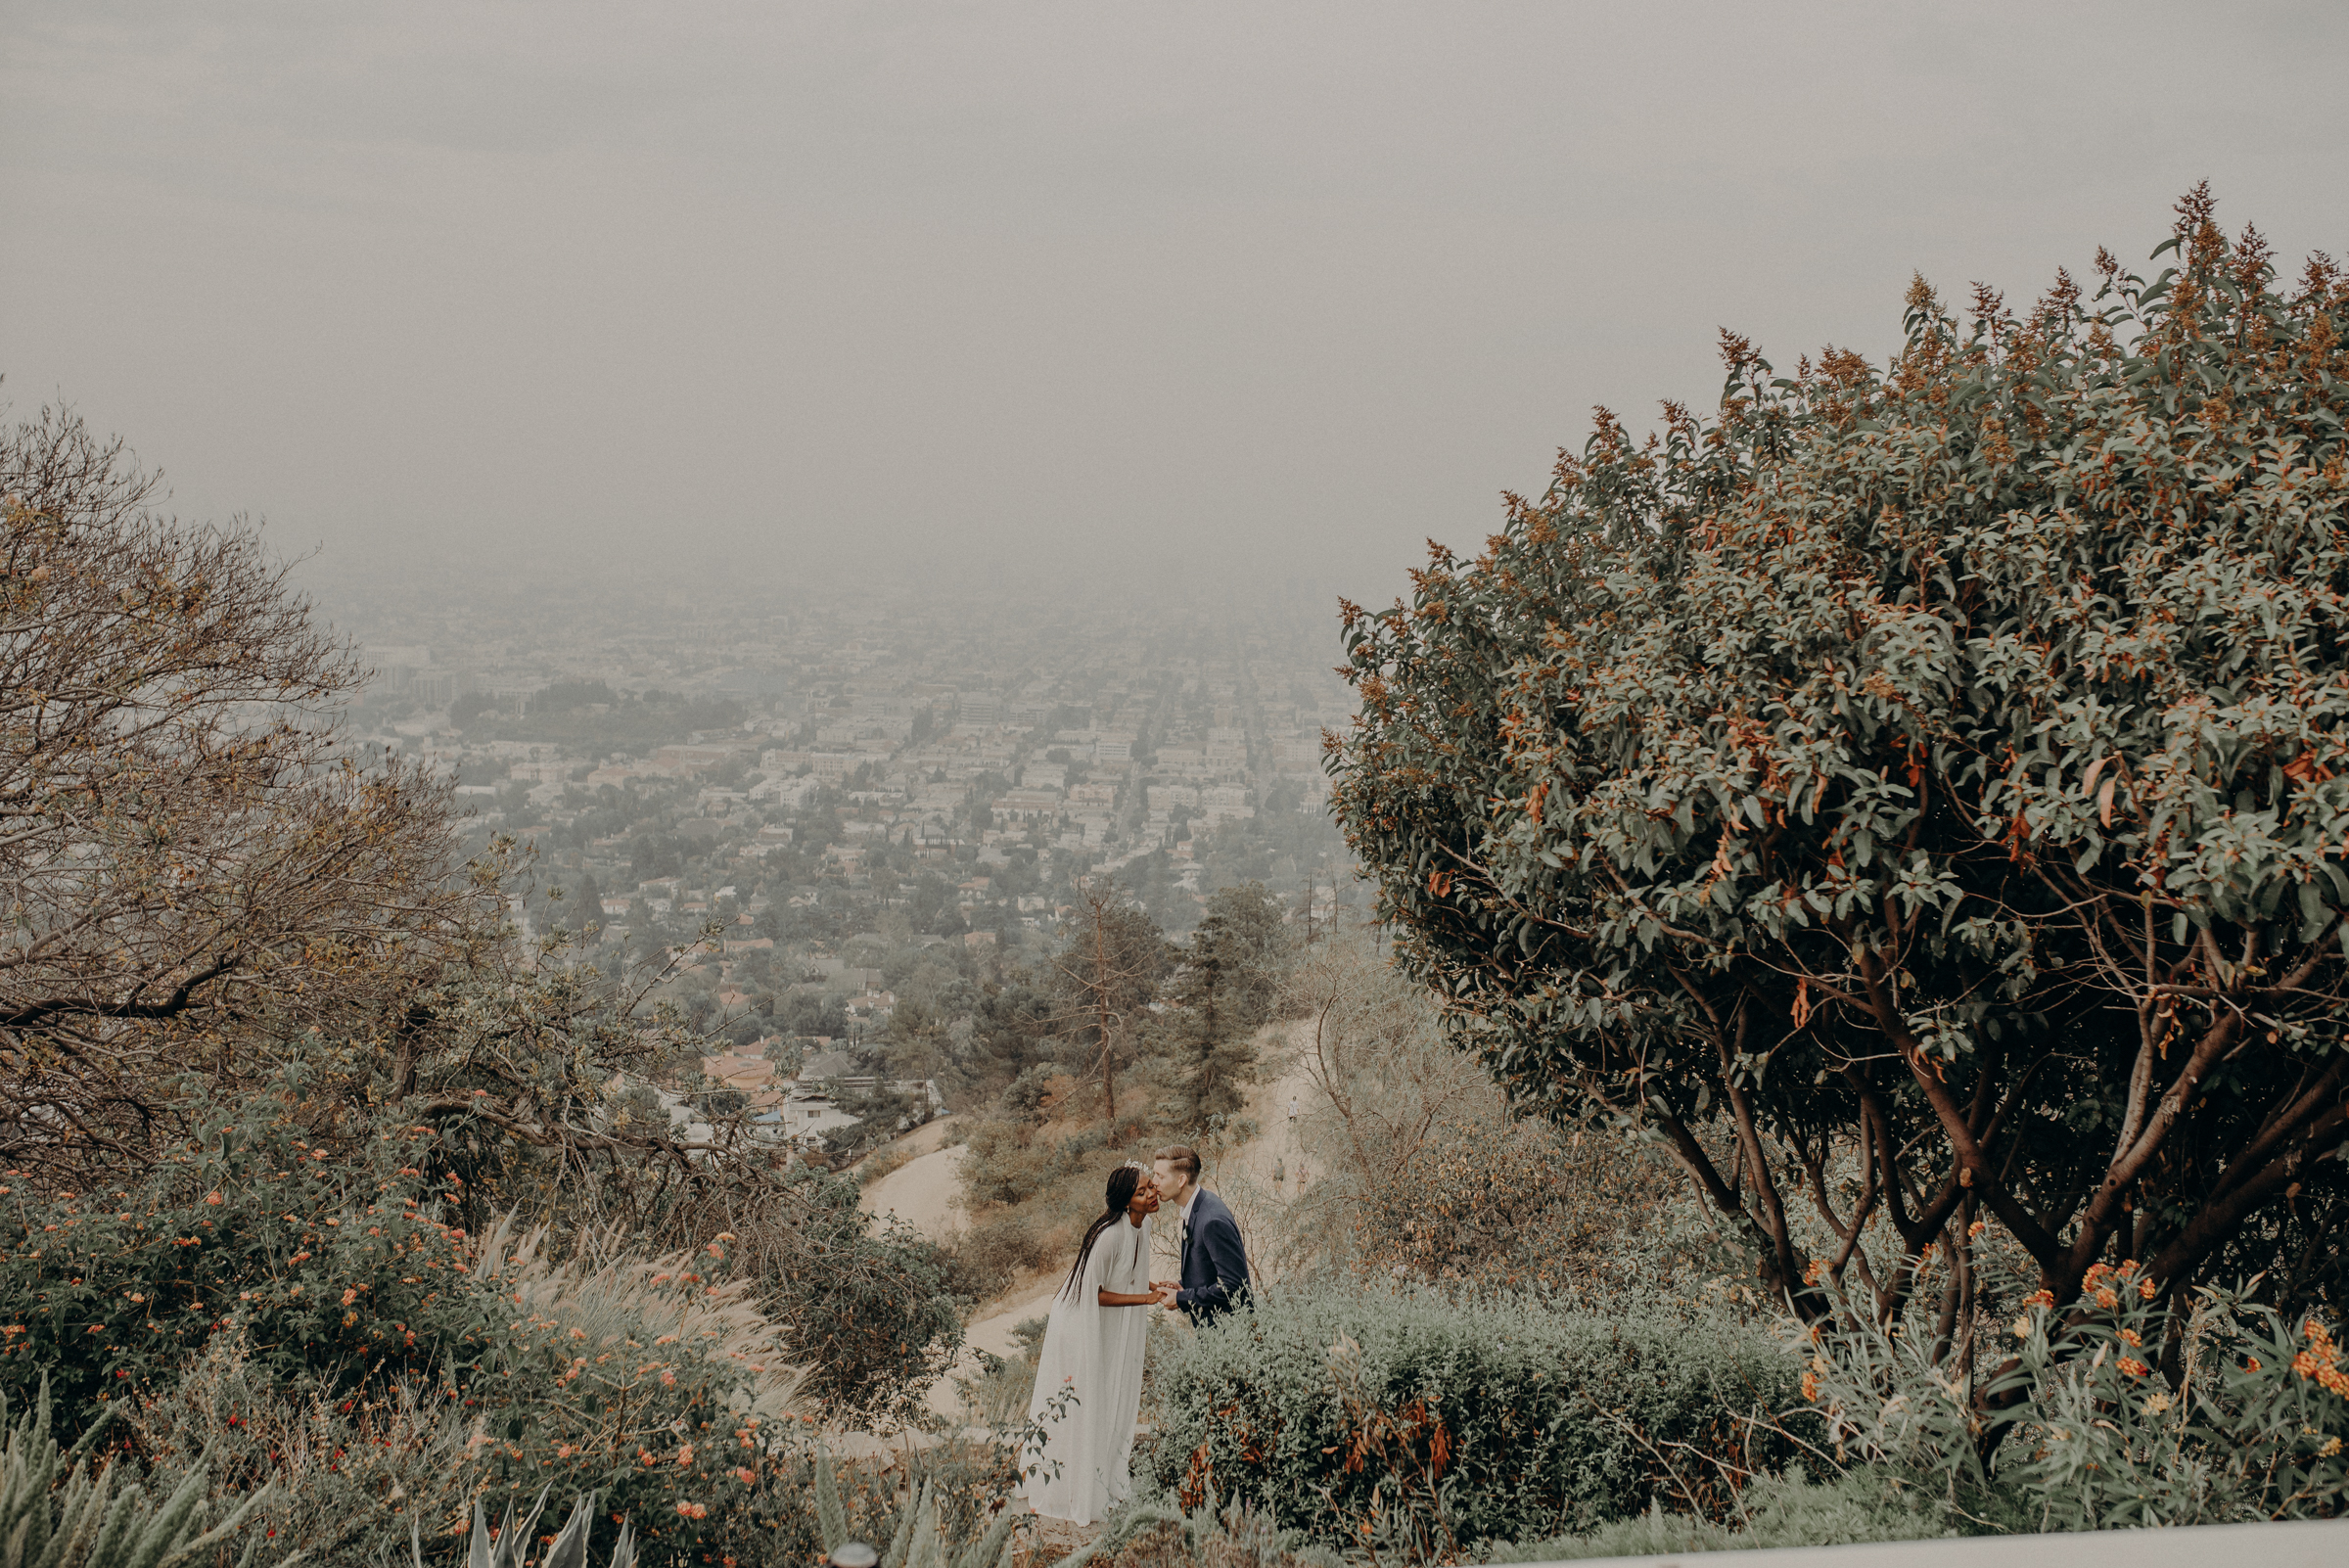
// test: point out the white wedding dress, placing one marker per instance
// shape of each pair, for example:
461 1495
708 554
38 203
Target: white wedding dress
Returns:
1095 1354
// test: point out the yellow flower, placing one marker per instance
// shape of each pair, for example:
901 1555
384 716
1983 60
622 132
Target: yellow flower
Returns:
2020 1328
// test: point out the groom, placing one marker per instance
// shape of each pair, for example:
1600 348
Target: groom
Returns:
1215 1261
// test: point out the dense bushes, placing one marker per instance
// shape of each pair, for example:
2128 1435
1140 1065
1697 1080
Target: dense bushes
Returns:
1532 1421
871 1304
281 1308
331 1265
2083 1433
1420 1425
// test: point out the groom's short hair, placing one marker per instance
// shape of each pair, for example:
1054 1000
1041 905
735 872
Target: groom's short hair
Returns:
1182 1157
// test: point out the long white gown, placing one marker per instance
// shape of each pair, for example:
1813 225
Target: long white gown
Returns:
1096 1353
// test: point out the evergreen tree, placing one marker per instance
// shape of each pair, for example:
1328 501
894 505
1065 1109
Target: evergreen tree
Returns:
587 904
1106 974
1225 988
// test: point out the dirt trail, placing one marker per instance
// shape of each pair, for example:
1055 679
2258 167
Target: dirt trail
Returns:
926 1192
1274 1158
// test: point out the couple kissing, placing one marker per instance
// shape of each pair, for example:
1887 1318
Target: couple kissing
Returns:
1089 1375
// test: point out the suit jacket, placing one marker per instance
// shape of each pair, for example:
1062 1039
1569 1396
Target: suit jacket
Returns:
1215 1260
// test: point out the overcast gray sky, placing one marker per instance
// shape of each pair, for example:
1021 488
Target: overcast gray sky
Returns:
1285 286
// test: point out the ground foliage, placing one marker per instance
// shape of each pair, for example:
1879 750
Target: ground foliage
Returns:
1933 773
2082 1433
262 1297
1410 1419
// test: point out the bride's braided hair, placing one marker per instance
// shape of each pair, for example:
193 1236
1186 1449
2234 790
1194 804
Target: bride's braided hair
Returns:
1121 1184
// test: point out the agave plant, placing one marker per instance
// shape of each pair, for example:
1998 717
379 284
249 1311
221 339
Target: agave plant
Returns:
918 1543
91 1522
504 1548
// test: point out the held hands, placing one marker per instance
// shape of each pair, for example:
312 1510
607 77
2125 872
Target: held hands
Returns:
1165 1289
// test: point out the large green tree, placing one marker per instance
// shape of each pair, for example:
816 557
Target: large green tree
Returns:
1919 793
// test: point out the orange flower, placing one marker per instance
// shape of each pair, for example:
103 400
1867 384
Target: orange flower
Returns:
214 1199
1811 1387
2106 1299
2132 1366
745 1475
2041 1298
350 1295
685 1454
692 1510
2147 1289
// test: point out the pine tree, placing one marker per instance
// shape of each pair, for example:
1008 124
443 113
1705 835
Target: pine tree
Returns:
1225 988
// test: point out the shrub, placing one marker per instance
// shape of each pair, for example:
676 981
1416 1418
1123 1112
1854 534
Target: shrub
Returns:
652 1381
879 1501
988 1255
325 1308
872 1304
333 1264
883 1160
2075 1429
642 1380
83 1518
920 1539
997 1396
338 1476
1512 1417
505 1546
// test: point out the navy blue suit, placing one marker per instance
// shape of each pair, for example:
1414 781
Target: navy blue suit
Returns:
1215 1260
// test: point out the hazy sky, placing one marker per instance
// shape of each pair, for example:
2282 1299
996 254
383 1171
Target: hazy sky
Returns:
1281 287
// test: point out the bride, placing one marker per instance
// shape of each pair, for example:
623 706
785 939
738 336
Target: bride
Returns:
1089 1378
